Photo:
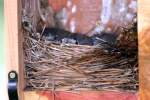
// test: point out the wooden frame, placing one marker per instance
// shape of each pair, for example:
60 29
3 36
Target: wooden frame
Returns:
144 52
14 53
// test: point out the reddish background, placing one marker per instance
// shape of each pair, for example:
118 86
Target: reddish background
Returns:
85 17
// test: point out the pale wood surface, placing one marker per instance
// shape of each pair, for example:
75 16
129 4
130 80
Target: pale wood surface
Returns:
13 40
13 43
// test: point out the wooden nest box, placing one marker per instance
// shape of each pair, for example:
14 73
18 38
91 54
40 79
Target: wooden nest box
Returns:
47 63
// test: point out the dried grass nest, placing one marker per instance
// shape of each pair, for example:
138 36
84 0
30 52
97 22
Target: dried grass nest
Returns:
79 67
50 66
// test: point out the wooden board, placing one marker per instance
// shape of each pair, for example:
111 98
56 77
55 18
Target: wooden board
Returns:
144 45
13 41
14 53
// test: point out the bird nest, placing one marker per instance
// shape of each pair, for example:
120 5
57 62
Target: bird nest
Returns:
72 67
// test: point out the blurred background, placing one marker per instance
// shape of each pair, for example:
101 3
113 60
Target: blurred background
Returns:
2 68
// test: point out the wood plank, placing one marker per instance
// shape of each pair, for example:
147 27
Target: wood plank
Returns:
13 41
144 45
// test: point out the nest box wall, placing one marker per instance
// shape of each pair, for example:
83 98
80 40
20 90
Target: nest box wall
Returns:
13 41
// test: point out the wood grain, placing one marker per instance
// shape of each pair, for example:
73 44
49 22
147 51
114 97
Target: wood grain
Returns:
144 48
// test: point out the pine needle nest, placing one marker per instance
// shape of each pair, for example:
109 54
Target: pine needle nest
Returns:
63 67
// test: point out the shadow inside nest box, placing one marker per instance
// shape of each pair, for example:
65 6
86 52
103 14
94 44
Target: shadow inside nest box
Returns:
66 37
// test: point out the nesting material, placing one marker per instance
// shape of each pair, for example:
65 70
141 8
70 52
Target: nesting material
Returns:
77 67
71 67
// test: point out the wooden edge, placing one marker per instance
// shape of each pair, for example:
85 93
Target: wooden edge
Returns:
144 52
20 52
13 41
